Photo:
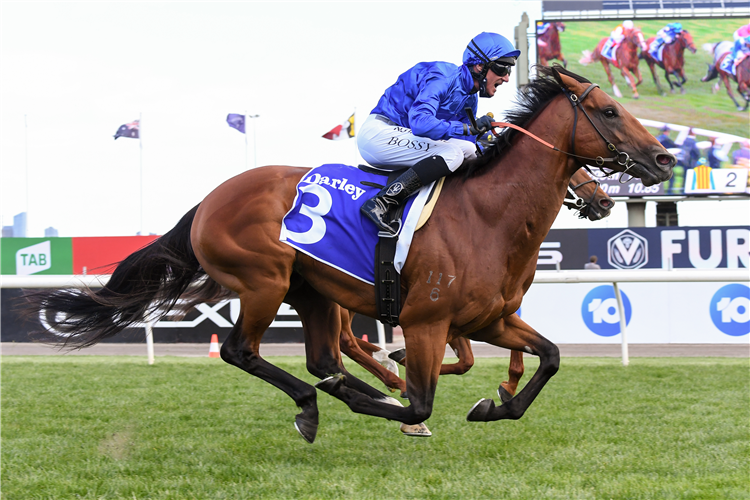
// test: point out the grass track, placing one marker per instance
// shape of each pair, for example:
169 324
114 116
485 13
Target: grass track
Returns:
113 427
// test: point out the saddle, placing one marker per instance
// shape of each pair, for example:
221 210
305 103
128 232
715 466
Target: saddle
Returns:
387 279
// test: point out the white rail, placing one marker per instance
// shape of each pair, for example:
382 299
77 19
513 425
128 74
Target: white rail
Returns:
588 276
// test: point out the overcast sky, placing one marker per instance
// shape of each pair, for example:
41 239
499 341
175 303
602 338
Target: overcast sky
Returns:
72 72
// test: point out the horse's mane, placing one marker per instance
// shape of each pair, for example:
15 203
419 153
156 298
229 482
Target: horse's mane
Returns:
530 101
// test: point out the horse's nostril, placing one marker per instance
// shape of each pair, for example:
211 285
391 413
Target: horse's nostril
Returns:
605 203
664 159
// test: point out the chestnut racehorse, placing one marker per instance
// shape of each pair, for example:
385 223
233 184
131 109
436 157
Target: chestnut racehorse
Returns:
485 233
627 60
584 195
720 52
548 44
673 61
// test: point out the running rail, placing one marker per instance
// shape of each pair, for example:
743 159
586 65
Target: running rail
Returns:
587 276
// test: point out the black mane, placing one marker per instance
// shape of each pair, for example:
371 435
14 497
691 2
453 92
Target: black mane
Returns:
530 101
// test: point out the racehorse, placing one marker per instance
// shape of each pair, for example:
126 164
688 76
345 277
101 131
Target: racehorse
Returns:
548 44
673 62
721 51
484 235
627 60
584 195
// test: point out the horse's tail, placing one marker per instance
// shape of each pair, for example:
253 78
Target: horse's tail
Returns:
710 47
588 58
146 285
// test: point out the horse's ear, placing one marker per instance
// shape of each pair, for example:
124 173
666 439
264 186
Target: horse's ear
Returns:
556 74
569 83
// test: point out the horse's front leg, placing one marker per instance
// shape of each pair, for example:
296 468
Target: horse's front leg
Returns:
610 77
667 72
462 348
513 333
508 388
352 347
725 79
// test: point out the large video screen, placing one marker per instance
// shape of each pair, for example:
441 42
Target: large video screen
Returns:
690 111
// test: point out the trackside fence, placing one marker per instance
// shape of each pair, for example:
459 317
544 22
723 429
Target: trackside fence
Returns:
560 277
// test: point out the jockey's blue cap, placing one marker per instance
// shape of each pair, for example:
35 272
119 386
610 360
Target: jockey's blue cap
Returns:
486 47
701 162
677 27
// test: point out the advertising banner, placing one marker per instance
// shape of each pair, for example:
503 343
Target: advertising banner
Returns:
27 256
655 313
197 326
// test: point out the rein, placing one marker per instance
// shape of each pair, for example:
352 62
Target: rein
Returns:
621 157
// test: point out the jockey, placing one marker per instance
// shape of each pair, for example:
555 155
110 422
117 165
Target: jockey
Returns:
420 121
664 36
541 29
741 47
616 38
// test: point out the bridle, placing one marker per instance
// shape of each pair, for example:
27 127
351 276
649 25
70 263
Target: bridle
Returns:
620 157
576 202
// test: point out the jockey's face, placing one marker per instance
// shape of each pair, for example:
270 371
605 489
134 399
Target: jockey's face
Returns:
493 81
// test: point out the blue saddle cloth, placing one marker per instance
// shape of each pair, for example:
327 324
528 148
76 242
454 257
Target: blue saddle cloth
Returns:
326 224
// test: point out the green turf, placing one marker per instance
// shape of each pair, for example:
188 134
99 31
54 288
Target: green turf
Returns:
113 427
698 107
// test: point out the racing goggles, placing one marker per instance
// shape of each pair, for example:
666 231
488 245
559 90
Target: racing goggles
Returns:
502 65
499 69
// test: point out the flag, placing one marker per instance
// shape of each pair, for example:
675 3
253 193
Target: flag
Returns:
343 131
130 130
236 121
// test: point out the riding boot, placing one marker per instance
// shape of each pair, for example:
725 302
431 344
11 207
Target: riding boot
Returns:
380 208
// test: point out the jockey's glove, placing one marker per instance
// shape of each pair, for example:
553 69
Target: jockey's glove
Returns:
484 124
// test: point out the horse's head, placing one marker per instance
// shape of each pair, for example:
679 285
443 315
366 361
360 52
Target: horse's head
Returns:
586 195
686 39
635 37
612 134
560 27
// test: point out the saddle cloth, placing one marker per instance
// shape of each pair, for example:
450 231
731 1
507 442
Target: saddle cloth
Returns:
326 224
656 50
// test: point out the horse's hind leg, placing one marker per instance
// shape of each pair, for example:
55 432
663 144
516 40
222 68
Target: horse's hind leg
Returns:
321 322
241 349
513 333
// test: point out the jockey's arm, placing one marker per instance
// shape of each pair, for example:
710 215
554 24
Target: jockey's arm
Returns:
423 114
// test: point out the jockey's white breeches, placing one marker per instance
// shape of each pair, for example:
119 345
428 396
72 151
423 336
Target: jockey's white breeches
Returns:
385 145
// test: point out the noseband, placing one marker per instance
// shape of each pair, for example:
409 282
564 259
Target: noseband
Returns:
621 157
576 202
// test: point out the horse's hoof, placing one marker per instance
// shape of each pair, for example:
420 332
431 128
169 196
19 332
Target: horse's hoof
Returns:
332 383
480 411
306 429
636 96
419 430
505 396
398 355
404 395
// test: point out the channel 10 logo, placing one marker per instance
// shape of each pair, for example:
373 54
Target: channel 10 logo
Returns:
600 311
730 309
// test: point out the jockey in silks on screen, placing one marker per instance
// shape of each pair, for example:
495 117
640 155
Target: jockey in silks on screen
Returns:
541 29
740 50
420 122
616 38
664 36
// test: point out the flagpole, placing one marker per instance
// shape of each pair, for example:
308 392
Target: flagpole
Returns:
246 120
140 147
26 160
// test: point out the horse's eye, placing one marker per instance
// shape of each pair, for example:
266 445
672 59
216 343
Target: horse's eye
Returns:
610 113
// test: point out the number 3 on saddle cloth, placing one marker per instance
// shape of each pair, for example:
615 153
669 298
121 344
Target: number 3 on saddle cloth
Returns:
326 224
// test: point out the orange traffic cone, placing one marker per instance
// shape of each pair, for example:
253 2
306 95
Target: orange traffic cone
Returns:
213 351
364 337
